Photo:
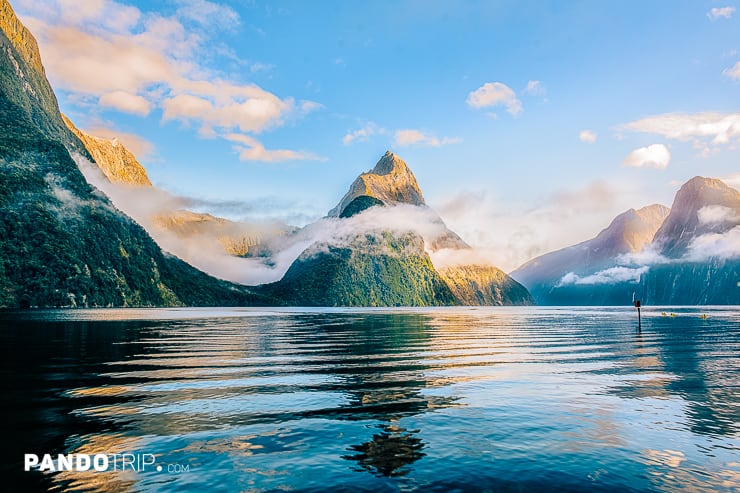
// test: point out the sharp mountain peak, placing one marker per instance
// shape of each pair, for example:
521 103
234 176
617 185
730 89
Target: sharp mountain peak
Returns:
390 181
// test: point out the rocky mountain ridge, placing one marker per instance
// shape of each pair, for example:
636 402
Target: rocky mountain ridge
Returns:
390 181
118 164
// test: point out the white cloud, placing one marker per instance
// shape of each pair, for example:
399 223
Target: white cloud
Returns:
495 94
701 129
733 72
717 214
309 106
250 149
732 180
114 55
125 102
260 67
362 134
535 88
253 110
720 13
208 13
607 276
653 156
408 136
646 257
587 136
718 245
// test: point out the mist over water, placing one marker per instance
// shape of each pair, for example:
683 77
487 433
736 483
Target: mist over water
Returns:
449 399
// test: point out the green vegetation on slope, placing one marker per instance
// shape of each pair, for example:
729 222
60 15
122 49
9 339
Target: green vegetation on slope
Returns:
360 204
477 285
380 269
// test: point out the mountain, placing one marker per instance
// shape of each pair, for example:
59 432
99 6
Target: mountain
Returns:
383 259
686 255
629 232
373 269
699 243
117 163
235 238
164 218
62 243
390 181
702 206
475 284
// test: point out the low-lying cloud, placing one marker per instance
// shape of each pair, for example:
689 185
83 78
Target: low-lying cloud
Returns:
717 214
611 275
201 242
715 245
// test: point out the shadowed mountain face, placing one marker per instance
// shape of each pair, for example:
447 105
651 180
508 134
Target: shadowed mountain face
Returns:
688 255
62 243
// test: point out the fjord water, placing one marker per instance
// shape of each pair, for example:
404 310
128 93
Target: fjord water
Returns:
448 399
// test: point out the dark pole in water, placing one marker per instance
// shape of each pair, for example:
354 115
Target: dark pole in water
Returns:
639 318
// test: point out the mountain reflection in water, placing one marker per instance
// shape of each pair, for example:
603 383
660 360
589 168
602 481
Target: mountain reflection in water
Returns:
567 399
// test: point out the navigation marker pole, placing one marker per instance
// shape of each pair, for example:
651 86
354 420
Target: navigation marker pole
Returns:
639 317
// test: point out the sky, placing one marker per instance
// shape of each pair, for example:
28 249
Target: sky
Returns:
528 125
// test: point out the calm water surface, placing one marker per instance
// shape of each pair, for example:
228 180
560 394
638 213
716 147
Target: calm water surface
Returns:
452 399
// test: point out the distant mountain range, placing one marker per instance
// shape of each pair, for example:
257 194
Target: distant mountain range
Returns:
689 254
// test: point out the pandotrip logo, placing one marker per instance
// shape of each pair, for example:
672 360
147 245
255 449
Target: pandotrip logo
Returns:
102 462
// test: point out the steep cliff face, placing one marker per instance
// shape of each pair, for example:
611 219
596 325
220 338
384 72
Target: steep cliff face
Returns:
390 181
25 85
116 162
20 38
62 243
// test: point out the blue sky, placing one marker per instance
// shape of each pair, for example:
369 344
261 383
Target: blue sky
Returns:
529 125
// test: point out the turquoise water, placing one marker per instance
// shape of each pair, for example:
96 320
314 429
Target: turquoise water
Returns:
450 399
